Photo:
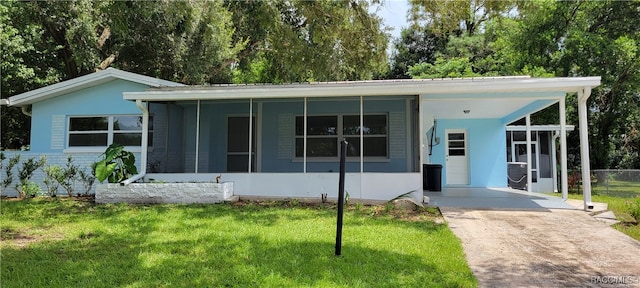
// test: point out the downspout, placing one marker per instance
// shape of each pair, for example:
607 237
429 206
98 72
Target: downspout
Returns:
583 95
24 111
144 144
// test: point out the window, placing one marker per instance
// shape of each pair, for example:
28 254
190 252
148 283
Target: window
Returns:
325 132
103 130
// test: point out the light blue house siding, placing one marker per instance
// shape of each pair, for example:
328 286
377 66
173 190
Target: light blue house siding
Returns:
49 127
174 151
486 150
50 117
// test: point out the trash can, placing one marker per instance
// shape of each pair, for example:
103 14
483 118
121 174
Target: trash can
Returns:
432 177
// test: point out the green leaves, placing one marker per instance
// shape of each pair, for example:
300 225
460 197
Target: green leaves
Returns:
117 165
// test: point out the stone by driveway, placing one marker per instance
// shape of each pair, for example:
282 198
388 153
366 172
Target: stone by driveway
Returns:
544 248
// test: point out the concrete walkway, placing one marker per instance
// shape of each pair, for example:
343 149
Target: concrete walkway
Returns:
544 247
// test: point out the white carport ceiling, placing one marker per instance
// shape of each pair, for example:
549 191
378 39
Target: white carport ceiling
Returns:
478 109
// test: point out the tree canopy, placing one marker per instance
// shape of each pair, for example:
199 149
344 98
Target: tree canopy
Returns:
541 38
192 42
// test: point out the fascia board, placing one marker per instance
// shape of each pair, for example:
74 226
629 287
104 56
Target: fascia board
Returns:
374 88
83 82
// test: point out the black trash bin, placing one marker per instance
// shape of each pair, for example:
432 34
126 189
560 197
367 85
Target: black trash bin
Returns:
432 177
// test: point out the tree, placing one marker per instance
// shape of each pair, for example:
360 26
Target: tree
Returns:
300 41
185 41
463 16
416 45
586 39
47 42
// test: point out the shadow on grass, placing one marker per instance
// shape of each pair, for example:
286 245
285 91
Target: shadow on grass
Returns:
108 261
181 246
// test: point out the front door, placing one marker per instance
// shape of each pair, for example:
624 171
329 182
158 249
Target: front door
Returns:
457 157
238 144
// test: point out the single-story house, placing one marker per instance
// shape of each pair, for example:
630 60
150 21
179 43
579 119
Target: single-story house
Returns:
283 140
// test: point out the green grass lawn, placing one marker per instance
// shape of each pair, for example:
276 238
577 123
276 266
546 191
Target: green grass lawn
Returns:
621 207
624 189
63 243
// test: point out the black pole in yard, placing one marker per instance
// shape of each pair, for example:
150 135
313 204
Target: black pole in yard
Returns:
343 153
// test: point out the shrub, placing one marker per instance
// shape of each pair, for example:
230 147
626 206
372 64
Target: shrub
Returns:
69 176
31 189
87 180
26 172
8 179
53 177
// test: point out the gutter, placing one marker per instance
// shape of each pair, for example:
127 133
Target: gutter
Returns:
144 144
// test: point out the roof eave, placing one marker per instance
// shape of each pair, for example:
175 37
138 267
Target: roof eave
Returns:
379 88
85 81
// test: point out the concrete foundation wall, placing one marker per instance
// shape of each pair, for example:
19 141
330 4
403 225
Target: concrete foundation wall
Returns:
181 193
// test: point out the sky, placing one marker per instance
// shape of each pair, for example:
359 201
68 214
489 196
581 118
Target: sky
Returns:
394 13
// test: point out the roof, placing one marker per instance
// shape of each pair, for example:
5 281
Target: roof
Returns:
84 82
369 88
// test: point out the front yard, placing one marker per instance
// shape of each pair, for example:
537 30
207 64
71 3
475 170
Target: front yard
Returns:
64 243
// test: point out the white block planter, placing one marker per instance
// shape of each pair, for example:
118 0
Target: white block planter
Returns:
182 193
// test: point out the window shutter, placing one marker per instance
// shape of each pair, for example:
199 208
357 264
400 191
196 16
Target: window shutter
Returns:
286 130
397 135
58 132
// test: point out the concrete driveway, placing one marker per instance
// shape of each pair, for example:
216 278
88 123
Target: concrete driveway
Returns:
544 247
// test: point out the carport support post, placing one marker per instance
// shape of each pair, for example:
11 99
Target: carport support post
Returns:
583 95
563 150
529 158
343 153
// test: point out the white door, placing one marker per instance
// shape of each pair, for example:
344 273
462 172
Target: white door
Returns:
457 157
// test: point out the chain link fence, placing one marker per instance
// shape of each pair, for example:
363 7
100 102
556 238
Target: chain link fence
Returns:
617 183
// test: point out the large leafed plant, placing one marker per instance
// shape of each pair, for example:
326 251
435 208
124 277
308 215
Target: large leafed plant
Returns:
116 166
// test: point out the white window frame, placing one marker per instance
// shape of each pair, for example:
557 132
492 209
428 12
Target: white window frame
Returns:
110 133
339 136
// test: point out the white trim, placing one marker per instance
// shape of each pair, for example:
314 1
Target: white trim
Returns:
304 140
99 149
197 137
361 120
258 129
251 117
583 125
408 130
529 163
554 161
564 176
426 88
84 82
